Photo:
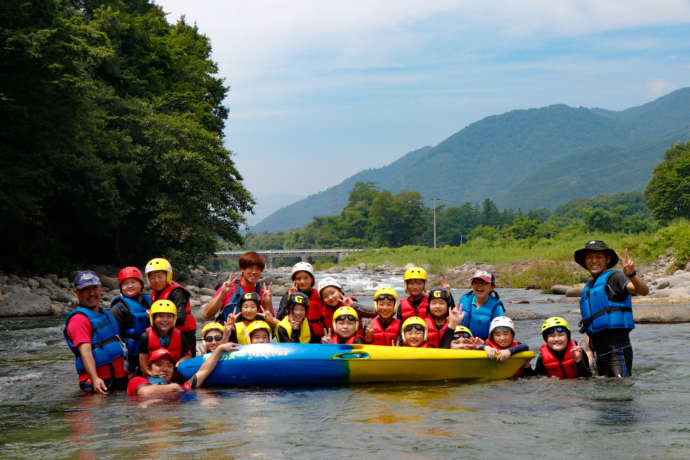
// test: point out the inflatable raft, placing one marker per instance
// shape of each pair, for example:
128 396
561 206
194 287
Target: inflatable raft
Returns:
274 364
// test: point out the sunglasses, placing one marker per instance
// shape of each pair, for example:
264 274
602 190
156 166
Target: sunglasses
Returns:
559 329
385 297
465 335
417 327
347 317
213 338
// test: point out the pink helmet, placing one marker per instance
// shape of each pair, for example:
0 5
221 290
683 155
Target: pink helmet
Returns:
130 272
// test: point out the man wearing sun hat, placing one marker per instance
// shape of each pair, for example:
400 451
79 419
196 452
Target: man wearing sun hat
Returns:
606 307
92 335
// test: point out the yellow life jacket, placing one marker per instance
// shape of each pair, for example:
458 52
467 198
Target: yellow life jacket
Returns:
242 335
304 331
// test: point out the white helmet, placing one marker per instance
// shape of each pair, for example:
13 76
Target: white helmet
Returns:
328 281
302 267
501 321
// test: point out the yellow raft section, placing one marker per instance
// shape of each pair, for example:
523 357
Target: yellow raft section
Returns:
376 363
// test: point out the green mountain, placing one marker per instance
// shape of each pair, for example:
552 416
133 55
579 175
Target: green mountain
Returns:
523 159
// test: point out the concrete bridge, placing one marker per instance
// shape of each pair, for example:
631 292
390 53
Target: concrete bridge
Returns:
304 254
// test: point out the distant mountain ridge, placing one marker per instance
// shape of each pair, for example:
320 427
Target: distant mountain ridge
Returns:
523 159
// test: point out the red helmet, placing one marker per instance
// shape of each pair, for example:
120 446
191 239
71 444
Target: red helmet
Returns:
130 272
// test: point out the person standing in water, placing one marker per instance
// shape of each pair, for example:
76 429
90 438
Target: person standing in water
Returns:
606 307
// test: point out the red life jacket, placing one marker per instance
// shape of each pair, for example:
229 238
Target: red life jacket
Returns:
407 310
335 339
327 316
490 343
566 369
315 314
433 333
388 335
174 347
189 321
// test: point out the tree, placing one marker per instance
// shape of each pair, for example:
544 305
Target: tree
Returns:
668 191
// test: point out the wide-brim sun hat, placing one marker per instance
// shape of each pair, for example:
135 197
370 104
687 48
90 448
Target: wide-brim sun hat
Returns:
596 245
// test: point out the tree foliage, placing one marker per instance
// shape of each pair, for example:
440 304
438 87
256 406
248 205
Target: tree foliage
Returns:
113 137
668 191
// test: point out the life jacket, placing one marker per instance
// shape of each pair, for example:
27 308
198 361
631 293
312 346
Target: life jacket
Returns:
566 369
327 316
335 339
388 335
490 343
233 305
407 310
315 313
174 347
106 346
433 333
479 319
140 321
189 321
599 312
304 332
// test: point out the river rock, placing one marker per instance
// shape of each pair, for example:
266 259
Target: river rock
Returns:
663 284
519 315
574 291
207 292
109 282
52 277
60 296
64 283
520 301
32 283
559 289
663 314
205 298
22 302
362 267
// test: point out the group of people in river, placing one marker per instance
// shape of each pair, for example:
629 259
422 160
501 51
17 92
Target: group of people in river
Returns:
137 343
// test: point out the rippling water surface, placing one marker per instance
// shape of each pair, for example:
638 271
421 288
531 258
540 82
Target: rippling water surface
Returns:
647 416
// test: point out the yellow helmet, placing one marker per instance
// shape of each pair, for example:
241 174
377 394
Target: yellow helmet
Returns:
383 292
256 325
163 306
345 311
415 273
212 326
462 329
414 320
554 321
159 264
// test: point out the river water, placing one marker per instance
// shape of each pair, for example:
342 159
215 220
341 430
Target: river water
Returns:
44 415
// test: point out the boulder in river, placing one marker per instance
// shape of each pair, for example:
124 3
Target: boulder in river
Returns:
518 315
559 289
574 291
20 301
662 314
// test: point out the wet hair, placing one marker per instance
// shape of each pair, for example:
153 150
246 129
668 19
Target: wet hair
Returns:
251 258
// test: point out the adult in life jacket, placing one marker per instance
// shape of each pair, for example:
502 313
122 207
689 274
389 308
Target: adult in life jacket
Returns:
295 326
345 328
163 334
384 329
501 344
131 311
606 306
560 356
92 335
249 311
414 333
481 305
440 303
303 281
416 303
159 274
227 298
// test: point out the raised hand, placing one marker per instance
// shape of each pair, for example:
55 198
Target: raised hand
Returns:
347 301
444 283
455 317
228 347
229 283
368 333
293 288
577 352
326 339
232 319
627 263
268 296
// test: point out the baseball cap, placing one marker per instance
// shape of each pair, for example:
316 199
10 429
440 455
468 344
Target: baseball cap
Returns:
86 278
484 276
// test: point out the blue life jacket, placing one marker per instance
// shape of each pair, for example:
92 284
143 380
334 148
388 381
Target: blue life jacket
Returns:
599 312
105 344
233 305
140 321
479 319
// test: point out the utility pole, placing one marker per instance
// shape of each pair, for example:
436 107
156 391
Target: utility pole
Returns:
434 200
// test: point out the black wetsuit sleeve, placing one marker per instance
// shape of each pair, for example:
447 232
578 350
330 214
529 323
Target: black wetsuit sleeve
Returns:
616 287
528 372
446 338
518 348
583 369
180 298
282 308
144 343
283 335
186 346
539 368
122 315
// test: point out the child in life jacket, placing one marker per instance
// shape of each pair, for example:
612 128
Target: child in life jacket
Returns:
415 333
259 332
501 344
481 305
345 327
333 297
560 356
250 310
159 274
440 303
131 311
212 335
162 365
162 334
460 338
295 327
303 281
416 303
384 329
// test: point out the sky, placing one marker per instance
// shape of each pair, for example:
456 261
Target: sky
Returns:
320 90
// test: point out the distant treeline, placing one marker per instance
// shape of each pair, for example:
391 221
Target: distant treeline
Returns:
112 138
